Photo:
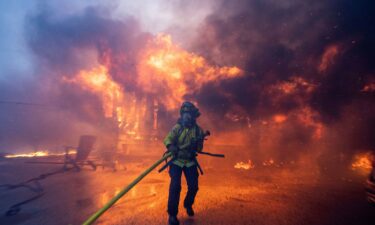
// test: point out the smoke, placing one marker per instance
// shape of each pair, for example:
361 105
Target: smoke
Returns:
305 66
305 62
62 47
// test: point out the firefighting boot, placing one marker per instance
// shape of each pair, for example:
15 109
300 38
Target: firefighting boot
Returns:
173 220
190 211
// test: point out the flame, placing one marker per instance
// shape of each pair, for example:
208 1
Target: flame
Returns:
99 82
370 87
31 154
296 89
328 57
362 161
165 73
244 165
117 104
42 153
167 69
279 118
293 85
269 162
309 118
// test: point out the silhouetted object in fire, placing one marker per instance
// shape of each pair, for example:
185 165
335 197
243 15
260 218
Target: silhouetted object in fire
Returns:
86 144
183 142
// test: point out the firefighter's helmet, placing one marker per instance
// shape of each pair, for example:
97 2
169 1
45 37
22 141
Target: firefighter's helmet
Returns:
190 108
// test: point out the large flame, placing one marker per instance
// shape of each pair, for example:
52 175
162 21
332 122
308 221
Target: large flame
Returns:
167 69
118 104
166 72
98 81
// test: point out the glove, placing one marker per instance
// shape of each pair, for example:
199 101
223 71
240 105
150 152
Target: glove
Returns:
173 149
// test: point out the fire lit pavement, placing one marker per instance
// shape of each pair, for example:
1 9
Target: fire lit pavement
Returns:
267 193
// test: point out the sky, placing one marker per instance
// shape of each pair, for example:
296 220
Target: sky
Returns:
154 17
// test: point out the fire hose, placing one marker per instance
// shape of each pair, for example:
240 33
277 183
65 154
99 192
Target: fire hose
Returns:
100 212
37 188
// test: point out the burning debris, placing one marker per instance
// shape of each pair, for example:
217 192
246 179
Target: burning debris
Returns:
269 162
363 161
31 154
243 165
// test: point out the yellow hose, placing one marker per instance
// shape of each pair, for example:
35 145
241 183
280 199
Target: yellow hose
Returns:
100 212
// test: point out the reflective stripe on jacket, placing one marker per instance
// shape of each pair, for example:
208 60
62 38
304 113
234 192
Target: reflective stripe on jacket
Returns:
183 137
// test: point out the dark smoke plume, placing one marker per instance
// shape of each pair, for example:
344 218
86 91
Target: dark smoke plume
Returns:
327 44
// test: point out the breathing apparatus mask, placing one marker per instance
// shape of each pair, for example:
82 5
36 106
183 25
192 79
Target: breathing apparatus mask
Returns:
188 114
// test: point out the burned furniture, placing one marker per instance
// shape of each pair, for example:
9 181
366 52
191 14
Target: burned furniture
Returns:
85 146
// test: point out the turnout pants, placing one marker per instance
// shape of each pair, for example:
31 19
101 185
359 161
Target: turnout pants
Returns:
191 175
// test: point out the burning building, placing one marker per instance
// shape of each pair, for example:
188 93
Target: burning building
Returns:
280 84
116 79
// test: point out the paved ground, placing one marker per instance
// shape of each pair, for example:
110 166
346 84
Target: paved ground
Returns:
260 196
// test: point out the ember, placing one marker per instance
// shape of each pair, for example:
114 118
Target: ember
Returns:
269 162
362 161
243 165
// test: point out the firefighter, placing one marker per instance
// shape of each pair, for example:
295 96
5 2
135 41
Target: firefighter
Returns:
184 141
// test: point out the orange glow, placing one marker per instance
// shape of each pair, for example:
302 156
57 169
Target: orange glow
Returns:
362 161
108 195
309 118
328 58
31 154
43 153
296 89
279 118
172 72
269 162
370 87
122 106
165 73
243 165
293 85
99 82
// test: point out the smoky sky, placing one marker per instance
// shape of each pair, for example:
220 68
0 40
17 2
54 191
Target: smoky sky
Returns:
273 42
